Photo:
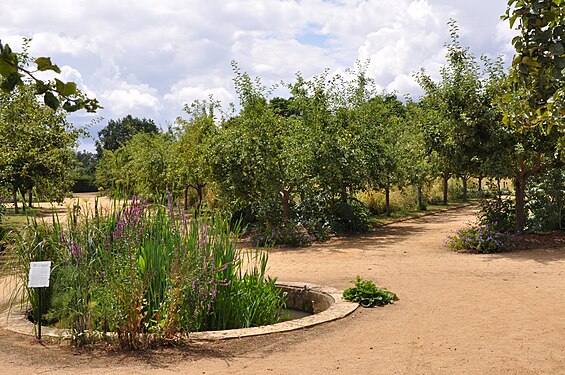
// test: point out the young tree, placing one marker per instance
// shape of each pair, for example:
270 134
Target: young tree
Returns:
192 150
533 102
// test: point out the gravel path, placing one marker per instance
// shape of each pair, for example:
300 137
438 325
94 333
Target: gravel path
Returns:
457 314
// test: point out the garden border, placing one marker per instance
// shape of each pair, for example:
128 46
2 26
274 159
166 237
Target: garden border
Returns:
16 320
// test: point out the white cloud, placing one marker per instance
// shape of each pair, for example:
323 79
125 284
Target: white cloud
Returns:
128 98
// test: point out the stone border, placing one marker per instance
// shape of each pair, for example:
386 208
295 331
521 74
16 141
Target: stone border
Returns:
16 321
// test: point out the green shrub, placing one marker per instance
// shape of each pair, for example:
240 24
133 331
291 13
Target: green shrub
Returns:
546 202
291 235
498 214
366 293
350 217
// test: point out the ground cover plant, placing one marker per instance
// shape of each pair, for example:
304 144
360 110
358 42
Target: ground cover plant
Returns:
366 293
146 272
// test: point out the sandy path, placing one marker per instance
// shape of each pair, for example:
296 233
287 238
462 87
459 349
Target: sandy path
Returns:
457 314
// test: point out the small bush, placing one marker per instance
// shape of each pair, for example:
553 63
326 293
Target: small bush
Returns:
366 293
291 235
350 217
479 239
498 214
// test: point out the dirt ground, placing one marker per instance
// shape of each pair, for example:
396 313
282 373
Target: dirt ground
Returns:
457 314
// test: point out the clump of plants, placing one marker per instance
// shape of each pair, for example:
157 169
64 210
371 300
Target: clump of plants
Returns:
147 273
367 294
479 239
289 235
498 214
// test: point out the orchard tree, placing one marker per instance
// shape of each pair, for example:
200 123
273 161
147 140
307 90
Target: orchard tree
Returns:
539 63
259 157
120 131
36 147
460 136
533 102
192 167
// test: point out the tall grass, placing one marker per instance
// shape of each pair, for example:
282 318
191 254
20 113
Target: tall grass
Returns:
146 272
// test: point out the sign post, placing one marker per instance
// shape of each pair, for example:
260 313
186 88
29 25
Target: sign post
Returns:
39 273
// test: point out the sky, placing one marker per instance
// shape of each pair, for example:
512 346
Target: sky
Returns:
150 58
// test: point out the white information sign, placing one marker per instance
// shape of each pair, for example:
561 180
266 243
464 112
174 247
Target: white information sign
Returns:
39 273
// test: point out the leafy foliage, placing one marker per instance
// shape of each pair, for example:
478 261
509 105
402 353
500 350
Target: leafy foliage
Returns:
35 145
546 201
118 132
366 293
290 235
498 214
15 69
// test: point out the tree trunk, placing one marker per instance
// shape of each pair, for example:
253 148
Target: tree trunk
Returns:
445 187
520 186
420 198
200 191
285 200
387 201
499 189
30 199
16 208
344 194
186 198
464 180
480 183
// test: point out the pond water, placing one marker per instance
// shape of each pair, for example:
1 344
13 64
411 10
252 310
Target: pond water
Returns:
291 314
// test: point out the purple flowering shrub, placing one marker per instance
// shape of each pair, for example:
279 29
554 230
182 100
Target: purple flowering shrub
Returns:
479 239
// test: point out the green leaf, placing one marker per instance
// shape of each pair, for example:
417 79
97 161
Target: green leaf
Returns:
557 49
6 68
69 89
10 83
560 62
51 100
44 63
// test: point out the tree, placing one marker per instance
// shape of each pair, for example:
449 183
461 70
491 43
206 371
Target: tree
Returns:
192 149
36 147
118 132
460 135
259 156
534 94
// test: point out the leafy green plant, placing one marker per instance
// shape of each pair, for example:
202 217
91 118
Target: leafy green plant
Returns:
498 214
366 293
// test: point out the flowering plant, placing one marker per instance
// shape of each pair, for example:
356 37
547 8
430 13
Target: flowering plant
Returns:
479 239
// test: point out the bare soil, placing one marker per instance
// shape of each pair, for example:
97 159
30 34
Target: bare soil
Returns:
458 314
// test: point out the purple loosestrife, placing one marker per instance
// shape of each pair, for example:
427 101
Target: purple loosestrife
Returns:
130 221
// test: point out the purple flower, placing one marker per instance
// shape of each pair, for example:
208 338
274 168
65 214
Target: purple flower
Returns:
76 251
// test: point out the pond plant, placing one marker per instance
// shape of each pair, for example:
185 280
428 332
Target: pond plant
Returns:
147 273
